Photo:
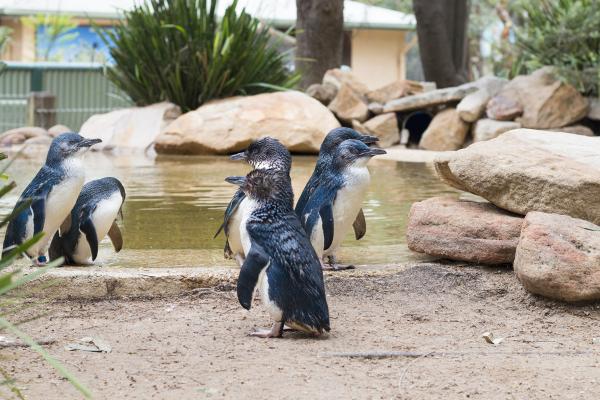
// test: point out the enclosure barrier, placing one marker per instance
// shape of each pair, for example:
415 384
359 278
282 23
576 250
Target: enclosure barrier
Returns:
46 93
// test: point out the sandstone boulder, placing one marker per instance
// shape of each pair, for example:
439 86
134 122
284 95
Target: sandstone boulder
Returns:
394 90
527 170
58 130
349 105
324 93
594 111
575 129
463 230
132 128
472 107
25 131
337 77
502 108
559 257
547 102
445 132
229 125
385 127
487 129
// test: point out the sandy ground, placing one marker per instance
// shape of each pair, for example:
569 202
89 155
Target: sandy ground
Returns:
195 346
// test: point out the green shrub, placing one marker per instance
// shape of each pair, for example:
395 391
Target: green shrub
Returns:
564 34
177 50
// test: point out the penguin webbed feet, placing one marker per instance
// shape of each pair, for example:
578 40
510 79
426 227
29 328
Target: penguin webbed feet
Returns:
332 265
40 261
276 331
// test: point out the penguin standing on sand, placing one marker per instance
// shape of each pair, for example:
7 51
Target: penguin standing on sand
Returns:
326 153
49 198
335 202
93 217
280 259
265 153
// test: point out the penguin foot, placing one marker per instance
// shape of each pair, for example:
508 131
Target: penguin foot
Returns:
40 261
275 331
336 267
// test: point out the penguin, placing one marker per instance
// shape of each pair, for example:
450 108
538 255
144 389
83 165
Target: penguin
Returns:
326 153
48 199
92 218
265 153
280 259
336 200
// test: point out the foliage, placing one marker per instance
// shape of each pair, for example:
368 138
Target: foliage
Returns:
564 34
5 36
11 278
56 30
176 50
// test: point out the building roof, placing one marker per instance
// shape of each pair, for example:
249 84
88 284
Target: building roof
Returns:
280 13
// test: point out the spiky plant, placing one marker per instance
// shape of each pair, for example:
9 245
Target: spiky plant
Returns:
177 50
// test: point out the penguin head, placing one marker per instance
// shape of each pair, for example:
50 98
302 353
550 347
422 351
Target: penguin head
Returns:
266 153
69 145
263 185
338 135
354 153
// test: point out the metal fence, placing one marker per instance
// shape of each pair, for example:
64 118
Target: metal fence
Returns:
81 90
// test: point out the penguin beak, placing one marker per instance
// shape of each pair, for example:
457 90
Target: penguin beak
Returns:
236 180
239 156
366 139
376 152
89 142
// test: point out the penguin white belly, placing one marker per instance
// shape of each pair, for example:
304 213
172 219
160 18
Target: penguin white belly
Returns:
263 286
245 240
317 239
103 217
347 204
233 230
59 203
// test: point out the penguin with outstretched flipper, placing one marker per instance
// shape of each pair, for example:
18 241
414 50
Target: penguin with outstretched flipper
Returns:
50 196
265 153
92 218
280 259
336 200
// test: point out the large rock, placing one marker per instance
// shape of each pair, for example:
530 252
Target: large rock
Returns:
395 90
336 77
132 128
58 130
594 111
445 132
527 170
547 102
575 129
324 93
349 105
502 108
26 131
487 129
224 126
559 257
431 98
385 127
472 107
463 230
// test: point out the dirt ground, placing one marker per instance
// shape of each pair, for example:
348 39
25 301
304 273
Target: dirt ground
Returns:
196 346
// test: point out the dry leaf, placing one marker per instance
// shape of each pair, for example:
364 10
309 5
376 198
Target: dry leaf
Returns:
489 337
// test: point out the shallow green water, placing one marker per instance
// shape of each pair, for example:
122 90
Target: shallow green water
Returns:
175 205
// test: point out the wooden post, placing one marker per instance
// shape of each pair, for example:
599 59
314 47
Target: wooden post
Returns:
41 109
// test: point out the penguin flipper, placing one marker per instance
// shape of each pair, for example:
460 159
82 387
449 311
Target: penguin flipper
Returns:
326 213
231 208
87 227
38 206
114 233
256 260
360 225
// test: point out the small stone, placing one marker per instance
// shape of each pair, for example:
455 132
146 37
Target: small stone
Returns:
394 90
337 78
487 129
324 93
375 108
445 132
58 130
559 257
385 127
463 230
349 105
502 108
472 107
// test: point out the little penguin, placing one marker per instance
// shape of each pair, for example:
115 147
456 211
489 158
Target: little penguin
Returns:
280 259
265 153
326 153
93 217
336 200
49 198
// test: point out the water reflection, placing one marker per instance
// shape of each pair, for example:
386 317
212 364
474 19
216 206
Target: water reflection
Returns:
175 205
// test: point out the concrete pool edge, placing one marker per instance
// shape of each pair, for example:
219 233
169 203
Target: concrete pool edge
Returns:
98 283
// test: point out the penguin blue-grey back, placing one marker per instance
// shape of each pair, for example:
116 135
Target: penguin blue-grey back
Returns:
280 258
335 202
265 153
51 195
92 218
326 153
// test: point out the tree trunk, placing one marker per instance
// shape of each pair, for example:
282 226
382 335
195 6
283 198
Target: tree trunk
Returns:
319 38
443 44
